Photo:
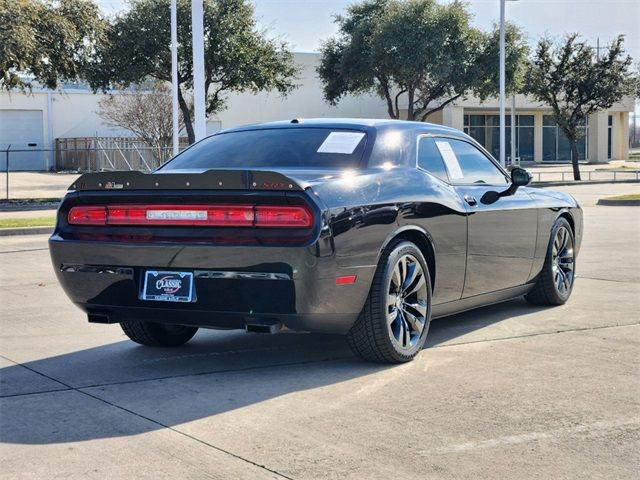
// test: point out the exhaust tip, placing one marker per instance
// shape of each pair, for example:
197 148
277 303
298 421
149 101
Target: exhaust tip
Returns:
263 326
99 317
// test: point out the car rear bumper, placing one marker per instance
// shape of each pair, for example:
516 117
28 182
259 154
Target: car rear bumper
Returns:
234 285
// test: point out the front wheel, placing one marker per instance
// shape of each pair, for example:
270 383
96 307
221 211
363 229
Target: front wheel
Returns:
157 334
394 322
555 282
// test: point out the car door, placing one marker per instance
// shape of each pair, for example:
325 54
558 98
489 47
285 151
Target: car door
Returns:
501 230
445 218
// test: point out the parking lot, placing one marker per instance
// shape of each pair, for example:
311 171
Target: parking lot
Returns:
507 391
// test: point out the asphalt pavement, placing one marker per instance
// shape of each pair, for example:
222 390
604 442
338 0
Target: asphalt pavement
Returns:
507 391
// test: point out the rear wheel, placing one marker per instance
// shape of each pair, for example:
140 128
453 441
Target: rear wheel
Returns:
555 281
157 334
394 322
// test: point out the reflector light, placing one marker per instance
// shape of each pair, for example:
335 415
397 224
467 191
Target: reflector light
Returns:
346 279
193 215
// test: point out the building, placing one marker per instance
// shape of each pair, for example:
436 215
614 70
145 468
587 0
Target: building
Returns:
31 123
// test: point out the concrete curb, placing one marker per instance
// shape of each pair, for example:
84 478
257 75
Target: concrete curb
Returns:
618 203
25 231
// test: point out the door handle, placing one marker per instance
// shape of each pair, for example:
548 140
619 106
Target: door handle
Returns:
470 200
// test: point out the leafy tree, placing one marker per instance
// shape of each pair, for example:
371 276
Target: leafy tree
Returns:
418 55
47 41
145 112
237 56
575 82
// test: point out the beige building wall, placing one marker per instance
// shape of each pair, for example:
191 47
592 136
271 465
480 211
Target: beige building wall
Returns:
74 113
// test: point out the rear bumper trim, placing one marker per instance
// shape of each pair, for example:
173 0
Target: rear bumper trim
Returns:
210 274
240 275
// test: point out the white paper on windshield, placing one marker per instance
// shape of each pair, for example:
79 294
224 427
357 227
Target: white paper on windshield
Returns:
450 160
341 142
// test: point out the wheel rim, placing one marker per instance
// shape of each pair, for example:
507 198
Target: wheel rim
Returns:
563 261
407 302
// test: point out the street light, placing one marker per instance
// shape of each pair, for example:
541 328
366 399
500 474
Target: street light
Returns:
174 77
503 82
197 32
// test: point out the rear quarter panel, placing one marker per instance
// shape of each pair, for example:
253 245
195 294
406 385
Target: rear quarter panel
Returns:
367 210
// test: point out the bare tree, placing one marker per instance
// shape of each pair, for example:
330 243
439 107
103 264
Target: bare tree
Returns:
146 112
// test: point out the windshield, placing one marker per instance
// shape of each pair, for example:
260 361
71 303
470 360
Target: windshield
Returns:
276 147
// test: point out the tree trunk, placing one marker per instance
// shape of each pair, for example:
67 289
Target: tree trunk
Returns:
411 114
574 158
186 114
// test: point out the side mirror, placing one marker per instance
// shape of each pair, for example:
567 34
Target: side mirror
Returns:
519 178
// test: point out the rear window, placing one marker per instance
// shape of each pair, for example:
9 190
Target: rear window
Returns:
284 147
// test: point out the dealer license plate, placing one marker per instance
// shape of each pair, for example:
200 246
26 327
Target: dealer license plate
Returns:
168 286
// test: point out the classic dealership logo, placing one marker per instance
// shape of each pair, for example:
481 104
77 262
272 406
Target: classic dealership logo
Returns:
169 285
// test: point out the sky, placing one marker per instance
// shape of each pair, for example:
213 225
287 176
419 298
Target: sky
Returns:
305 23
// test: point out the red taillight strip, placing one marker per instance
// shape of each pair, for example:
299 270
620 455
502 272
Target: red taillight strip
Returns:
284 216
187 215
87 216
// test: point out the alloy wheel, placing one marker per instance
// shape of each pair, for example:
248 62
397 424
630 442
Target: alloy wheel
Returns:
563 260
407 302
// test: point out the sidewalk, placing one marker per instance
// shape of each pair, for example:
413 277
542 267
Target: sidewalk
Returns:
36 184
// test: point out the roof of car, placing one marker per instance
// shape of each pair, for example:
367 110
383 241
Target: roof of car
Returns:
348 123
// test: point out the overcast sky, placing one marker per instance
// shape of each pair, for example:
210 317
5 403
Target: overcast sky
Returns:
305 23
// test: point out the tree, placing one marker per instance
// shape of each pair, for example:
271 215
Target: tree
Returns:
145 112
417 55
575 82
47 41
237 56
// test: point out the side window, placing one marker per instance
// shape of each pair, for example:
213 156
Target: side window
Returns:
469 163
429 158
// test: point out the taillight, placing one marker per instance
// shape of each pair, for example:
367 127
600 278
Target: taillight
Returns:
87 216
187 215
193 215
277 216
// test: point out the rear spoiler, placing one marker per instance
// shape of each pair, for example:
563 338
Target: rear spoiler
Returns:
207 180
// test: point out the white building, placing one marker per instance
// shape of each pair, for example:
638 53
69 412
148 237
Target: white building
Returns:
31 123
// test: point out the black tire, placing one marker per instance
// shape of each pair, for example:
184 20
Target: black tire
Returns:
157 334
372 336
547 289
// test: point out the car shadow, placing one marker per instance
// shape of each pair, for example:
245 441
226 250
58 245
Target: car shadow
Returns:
215 373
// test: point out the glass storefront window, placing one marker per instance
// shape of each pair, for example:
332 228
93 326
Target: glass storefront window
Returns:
556 146
485 129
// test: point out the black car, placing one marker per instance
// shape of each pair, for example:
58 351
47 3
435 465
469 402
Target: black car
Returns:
367 228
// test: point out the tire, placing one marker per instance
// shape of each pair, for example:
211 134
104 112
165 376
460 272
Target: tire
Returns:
555 281
394 322
157 334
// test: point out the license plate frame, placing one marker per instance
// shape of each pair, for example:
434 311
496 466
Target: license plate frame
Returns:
168 286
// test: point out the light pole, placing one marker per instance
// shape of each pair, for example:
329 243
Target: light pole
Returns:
174 77
197 31
503 82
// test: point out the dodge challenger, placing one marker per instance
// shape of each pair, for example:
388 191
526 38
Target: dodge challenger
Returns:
367 228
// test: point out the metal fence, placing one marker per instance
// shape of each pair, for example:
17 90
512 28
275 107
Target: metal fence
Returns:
603 175
86 154
94 154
